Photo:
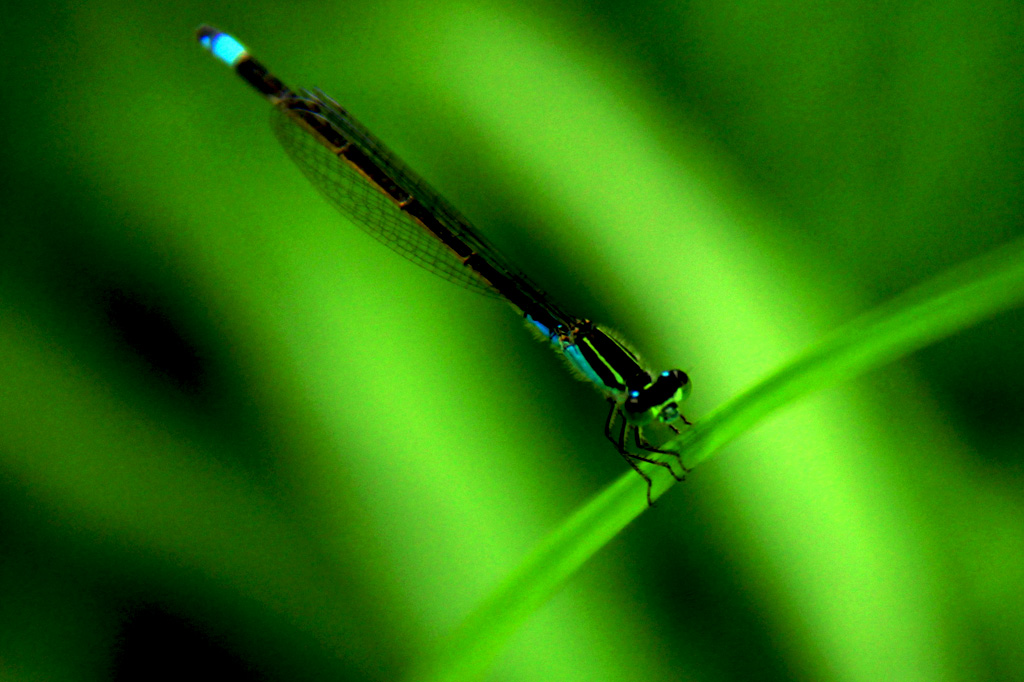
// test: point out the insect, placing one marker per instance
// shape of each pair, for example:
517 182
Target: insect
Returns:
364 180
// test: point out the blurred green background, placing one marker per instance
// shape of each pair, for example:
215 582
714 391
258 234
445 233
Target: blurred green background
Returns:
235 429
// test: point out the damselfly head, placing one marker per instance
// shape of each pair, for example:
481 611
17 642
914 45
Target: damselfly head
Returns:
659 399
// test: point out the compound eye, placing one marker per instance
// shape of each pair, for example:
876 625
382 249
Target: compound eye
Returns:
683 381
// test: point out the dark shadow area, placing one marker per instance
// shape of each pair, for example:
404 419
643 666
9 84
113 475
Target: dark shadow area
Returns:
155 644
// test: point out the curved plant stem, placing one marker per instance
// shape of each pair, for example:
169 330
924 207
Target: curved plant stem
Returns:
942 306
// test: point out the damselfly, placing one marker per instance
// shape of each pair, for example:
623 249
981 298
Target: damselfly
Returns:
370 185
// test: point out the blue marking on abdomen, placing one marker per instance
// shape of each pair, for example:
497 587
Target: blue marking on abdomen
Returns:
224 47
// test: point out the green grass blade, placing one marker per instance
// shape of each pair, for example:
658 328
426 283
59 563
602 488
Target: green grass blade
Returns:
944 305
949 303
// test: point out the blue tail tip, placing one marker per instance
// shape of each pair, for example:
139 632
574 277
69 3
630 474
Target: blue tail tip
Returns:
223 46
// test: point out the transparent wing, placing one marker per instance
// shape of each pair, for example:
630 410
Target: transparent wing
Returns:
369 208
